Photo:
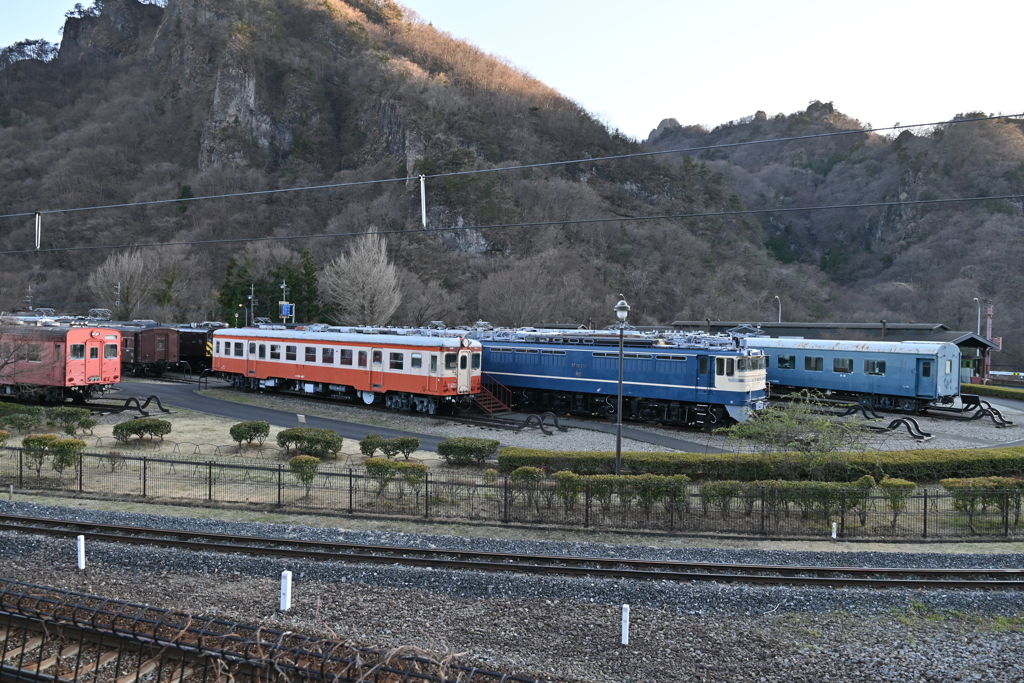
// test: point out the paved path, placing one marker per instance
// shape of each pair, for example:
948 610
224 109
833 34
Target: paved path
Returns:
185 396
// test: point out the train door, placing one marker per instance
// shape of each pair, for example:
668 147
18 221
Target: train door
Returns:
464 373
705 378
434 374
93 367
926 377
161 348
377 369
250 358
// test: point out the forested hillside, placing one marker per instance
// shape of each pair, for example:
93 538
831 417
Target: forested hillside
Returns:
916 262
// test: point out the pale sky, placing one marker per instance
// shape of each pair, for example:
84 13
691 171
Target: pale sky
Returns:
635 63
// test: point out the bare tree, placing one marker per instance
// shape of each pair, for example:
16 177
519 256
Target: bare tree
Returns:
123 283
361 287
12 290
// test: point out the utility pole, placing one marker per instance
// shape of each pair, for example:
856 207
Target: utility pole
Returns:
117 302
252 303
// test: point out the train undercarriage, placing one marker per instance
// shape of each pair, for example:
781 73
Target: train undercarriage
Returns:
681 413
47 394
893 404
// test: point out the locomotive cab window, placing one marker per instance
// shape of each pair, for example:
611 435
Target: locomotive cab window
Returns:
417 361
275 352
77 352
110 350
874 367
787 363
703 366
397 361
725 366
842 365
814 363
476 360
463 362
926 368
451 361
290 352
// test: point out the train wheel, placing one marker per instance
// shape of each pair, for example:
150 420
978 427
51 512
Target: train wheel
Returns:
368 397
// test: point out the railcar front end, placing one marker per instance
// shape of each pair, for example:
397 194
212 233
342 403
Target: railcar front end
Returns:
54 364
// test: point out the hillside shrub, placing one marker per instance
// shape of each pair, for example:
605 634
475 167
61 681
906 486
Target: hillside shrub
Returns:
305 469
71 419
319 443
255 430
465 450
142 427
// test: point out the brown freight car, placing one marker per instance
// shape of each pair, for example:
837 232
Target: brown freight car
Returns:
147 347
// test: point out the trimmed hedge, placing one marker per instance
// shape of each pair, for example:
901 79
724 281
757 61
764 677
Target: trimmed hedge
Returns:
310 441
384 471
997 392
21 417
1000 492
464 450
71 419
255 430
305 468
144 426
922 465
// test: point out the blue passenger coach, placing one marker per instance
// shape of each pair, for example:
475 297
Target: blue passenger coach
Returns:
696 380
903 376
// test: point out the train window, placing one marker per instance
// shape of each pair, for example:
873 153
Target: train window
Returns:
290 352
926 368
433 362
216 348
417 360
553 353
161 343
345 356
874 367
35 352
463 362
949 366
397 361
275 352
110 350
252 349
327 356
94 352
263 352
362 359
476 359
522 350
814 363
719 366
378 357
787 362
310 354
451 361
77 351
702 368
730 367
842 365
239 349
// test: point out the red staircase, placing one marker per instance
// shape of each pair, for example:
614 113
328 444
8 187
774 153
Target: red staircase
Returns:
494 397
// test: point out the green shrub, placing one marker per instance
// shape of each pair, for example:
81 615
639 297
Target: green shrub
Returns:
1004 493
568 487
319 443
66 453
24 422
464 450
141 427
4 437
384 471
897 493
256 430
35 448
71 419
407 445
998 392
720 494
389 448
305 468
370 444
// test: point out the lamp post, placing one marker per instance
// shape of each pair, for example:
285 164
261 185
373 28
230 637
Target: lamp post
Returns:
245 313
979 315
621 312
780 308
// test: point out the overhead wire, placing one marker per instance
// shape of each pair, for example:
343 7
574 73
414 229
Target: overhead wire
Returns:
498 169
533 224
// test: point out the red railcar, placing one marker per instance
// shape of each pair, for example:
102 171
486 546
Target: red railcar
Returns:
57 363
402 371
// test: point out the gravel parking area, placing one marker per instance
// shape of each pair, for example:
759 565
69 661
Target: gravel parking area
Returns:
567 629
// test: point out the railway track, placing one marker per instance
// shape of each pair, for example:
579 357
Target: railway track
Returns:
49 635
599 567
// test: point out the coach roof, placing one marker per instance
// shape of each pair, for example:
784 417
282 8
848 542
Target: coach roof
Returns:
356 339
913 347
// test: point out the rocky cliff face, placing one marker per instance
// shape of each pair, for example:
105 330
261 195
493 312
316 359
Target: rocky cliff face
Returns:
125 27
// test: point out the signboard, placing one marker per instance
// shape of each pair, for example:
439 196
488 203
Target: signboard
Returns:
286 308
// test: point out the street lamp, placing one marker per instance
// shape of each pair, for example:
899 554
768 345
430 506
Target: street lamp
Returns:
621 312
245 311
979 315
780 308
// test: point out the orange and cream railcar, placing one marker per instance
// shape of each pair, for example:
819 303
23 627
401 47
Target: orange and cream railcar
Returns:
57 363
404 372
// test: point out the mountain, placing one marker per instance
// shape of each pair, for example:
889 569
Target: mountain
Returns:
909 262
211 97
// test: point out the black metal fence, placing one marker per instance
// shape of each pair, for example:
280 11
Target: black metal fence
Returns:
450 496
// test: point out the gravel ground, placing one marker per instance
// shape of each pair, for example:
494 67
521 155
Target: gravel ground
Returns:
567 629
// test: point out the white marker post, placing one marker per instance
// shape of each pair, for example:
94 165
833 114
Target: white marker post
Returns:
423 199
625 624
286 590
81 552
834 527
302 418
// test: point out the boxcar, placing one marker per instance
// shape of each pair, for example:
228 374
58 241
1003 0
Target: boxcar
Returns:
904 376
54 364
402 371
148 348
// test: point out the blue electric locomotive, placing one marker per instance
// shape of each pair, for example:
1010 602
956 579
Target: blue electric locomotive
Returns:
904 376
695 380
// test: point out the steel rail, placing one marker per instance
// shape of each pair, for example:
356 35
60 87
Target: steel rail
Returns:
603 567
